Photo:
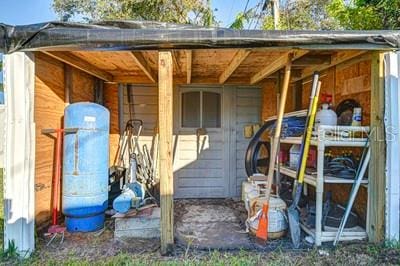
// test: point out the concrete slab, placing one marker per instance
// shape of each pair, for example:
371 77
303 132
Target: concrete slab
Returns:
138 226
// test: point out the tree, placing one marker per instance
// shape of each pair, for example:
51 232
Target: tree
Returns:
366 14
304 15
294 15
197 12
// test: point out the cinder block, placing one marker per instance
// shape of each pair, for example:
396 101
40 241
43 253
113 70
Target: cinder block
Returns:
140 227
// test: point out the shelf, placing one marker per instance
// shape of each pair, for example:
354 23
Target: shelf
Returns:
328 141
354 233
312 179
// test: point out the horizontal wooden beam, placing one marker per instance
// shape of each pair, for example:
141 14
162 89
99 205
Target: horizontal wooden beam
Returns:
72 60
311 60
144 66
337 59
237 59
189 57
175 60
279 63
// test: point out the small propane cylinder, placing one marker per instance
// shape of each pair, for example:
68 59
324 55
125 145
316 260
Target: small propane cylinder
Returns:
277 223
325 116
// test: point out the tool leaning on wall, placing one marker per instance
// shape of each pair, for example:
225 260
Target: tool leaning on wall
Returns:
140 168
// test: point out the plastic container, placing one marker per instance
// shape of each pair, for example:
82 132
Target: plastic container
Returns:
357 117
325 116
294 156
277 222
131 197
85 167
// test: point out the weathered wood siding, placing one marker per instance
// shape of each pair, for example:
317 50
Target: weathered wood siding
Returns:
247 111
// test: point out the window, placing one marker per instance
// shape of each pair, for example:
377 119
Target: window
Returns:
201 109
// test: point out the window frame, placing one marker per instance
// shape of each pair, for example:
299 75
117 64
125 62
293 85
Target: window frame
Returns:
201 90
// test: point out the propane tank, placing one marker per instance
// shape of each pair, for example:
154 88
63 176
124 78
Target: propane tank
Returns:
325 116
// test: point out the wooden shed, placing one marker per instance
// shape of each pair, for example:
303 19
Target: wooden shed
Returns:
200 87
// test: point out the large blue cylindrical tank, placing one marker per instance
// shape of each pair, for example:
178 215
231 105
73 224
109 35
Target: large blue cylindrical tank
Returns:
85 166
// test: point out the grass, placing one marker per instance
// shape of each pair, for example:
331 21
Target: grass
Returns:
345 255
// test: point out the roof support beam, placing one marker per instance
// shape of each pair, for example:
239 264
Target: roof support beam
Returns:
144 66
189 56
276 65
175 59
310 60
73 60
337 59
237 59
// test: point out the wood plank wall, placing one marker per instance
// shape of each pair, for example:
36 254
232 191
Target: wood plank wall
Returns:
49 111
340 82
111 103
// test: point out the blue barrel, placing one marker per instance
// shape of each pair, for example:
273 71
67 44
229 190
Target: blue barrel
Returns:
85 166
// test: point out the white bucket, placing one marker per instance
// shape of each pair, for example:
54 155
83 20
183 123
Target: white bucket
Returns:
277 221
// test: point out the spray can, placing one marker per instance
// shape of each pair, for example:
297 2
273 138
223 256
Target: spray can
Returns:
357 117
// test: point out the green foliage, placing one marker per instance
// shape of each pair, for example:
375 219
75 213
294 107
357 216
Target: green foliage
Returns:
303 15
240 20
11 252
355 16
300 15
366 14
196 12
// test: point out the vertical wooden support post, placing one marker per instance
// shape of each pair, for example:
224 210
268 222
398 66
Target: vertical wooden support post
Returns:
376 219
19 174
68 86
121 125
165 115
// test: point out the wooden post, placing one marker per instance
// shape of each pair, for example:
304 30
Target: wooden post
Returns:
68 86
376 215
165 114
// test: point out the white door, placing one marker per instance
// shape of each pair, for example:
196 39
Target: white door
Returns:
201 152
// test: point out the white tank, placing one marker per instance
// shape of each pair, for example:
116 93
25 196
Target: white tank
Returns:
325 116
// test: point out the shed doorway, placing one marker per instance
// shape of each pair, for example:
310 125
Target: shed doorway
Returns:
209 138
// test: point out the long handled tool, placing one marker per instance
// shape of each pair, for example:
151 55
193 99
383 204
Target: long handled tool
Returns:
262 231
55 228
359 176
293 213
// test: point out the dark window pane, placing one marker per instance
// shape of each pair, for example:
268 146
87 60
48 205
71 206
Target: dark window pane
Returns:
211 109
191 109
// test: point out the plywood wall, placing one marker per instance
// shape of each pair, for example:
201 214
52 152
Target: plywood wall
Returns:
111 103
82 86
49 111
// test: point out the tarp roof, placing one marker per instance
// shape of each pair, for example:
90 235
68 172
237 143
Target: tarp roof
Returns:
146 35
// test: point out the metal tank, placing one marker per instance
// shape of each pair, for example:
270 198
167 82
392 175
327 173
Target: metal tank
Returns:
85 166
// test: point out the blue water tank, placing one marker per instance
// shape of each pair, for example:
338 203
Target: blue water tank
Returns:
85 166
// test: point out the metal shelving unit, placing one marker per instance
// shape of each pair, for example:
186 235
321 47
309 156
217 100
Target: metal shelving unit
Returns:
329 136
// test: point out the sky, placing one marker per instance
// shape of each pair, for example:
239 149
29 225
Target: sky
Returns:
20 12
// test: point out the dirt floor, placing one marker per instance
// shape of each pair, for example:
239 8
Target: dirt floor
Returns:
101 248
